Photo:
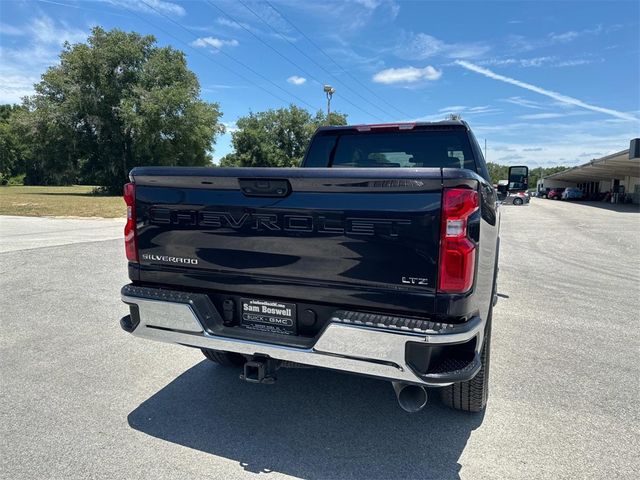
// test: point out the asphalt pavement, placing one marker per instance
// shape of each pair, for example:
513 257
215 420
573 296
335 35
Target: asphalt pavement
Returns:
80 398
24 233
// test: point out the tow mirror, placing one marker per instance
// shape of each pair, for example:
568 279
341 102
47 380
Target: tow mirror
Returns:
634 148
518 178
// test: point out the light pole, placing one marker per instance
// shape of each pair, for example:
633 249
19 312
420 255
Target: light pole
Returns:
329 91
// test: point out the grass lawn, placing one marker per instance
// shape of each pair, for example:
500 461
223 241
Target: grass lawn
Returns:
76 201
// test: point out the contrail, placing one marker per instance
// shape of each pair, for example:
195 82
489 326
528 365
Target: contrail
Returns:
548 93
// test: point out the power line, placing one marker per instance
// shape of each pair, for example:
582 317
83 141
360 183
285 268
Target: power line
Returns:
81 8
212 59
333 61
169 34
285 57
231 57
312 60
261 40
203 54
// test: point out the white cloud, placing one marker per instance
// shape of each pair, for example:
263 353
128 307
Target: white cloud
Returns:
510 157
407 75
422 46
522 43
6 29
542 116
453 108
214 87
216 43
150 6
523 102
465 111
553 153
564 37
521 62
482 109
569 153
296 80
536 61
14 86
21 67
542 91
230 127
548 142
549 115
369 4
591 154
43 30
462 110
225 22
264 13
341 19
575 63
546 61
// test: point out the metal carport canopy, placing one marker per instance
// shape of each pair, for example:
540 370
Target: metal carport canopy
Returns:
617 165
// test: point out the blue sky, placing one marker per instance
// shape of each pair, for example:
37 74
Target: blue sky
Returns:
546 83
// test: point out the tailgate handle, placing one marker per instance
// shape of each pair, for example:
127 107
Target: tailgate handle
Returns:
265 187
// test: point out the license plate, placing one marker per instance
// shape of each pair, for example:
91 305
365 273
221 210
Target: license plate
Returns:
269 316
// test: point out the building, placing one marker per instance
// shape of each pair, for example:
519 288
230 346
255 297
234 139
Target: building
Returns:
618 174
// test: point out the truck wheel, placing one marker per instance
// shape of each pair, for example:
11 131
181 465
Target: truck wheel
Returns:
228 359
471 396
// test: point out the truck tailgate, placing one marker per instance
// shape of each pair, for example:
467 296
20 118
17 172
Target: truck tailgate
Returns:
351 235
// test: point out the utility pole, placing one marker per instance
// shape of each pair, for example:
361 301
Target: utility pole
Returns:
329 91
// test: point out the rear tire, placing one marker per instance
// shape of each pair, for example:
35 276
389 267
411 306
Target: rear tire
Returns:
517 201
227 359
472 395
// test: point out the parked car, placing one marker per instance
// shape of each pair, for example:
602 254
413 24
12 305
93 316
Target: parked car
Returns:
517 198
264 268
502 189
572 193
555 193
543 193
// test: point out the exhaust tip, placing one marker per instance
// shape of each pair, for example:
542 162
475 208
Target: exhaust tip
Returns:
411 398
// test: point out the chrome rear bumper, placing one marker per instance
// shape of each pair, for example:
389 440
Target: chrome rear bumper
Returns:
342 345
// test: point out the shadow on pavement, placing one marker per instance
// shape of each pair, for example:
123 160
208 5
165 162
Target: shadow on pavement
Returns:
614 207
312 424
68 194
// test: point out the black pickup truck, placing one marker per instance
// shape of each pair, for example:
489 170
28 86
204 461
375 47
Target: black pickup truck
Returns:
378 257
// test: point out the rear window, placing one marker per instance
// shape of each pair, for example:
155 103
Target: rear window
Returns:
401 149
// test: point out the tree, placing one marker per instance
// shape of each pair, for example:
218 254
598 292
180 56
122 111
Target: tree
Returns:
12 149
501 172
497 172
117 102
275 138
537 173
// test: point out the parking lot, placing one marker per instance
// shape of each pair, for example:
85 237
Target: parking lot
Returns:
79 398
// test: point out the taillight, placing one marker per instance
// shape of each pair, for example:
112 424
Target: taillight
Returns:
130 240
385 126
457 251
